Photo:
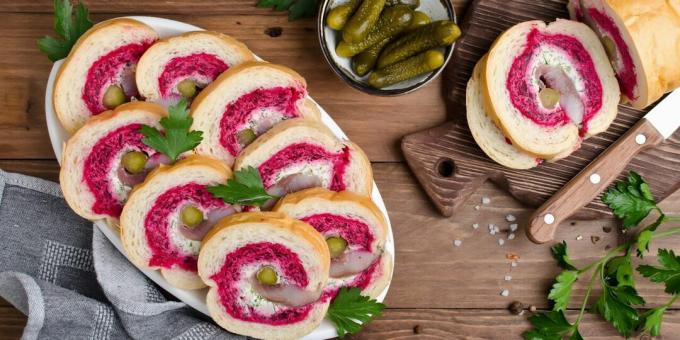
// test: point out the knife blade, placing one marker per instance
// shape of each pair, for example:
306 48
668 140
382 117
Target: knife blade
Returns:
656 126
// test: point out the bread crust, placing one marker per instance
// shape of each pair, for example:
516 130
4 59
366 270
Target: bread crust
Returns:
59 109
73 155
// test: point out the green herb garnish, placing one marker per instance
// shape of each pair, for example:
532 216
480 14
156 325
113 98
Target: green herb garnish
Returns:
296 8
350 310
246 188
619 302
69 27
177 137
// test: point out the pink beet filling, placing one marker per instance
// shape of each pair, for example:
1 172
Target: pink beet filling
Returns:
105 72
355 232
525 99
262 253
625 73
157 224
195 66
306 153
98 165
238 113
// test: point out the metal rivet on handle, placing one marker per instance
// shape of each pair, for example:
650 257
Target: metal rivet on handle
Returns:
549 219
640 139
595 178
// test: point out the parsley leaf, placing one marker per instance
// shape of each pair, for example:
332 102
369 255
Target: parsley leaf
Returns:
630 200
669 273
619 272
349 310
177 138
615 306
245 188
296 8
561 290
652 320
550 326
559 252
68 26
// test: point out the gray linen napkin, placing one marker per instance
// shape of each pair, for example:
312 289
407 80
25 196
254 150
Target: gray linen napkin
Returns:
71 282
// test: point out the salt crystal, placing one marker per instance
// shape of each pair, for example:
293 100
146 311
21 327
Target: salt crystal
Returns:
475 225
505 292
457 243
579 238
492 226
510 218
501 241
508 277
497 229
486 200
514 264
511 237
492 232
476 207
513 227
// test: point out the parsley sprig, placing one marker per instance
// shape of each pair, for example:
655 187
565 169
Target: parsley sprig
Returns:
69 26
177 137
350 310
246 188
296 8
619 302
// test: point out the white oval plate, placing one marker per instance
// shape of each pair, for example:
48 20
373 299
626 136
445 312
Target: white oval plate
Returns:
193 298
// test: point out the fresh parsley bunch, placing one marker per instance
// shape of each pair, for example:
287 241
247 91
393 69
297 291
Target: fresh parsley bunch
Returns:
619 302
296 8
69 27
177 137
350 310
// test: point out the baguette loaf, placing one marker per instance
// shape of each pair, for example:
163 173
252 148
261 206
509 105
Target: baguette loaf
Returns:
308 154
244 103
90 175
355 219
105 55
237 249
198 56
152 230
548 86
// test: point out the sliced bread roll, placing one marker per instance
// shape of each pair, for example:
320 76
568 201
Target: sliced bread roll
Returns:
355 230
547 86
194 57
266 274
92 177
244 103
155 223
642 39
105 56
300 154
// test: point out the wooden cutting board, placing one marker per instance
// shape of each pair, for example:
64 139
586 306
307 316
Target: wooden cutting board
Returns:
449 164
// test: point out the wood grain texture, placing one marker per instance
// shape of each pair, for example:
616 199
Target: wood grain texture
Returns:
449 164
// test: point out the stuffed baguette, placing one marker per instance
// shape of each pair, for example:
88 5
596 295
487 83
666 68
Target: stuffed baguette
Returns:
167 216
266 274
98 73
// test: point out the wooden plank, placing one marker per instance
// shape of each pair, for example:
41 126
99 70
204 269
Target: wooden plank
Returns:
194 7
375 123
12 321
472 275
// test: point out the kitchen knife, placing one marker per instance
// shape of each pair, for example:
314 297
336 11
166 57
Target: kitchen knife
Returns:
650 131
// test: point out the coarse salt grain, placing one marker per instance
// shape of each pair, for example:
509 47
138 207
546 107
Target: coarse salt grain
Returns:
514 264
505 292
501 241
486 200
513 227
492 226
492 231
511 237
510 218
475 225
476 207
579 238
457 243
508 278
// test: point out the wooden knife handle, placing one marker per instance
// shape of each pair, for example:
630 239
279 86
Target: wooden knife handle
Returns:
591 181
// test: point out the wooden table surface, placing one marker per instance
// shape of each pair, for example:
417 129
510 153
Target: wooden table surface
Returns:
438 290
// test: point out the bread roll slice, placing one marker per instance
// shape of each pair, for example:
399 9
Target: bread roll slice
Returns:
198 56
90 176
244 103
299 154
242 245
547 86
642 39
355 219
105 55
152 230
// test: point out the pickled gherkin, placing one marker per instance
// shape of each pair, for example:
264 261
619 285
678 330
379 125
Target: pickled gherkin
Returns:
338 16
363 20
363 62
422 63
392 22
436 34
410 3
